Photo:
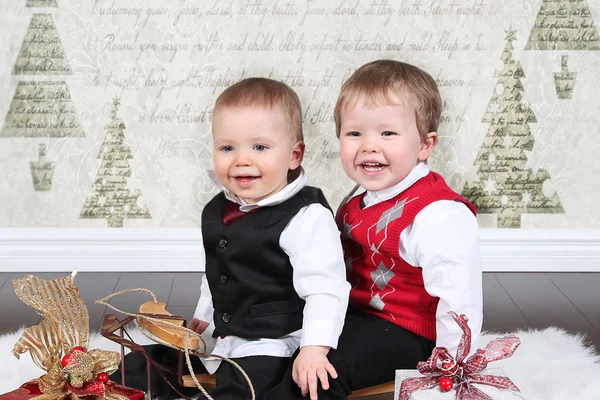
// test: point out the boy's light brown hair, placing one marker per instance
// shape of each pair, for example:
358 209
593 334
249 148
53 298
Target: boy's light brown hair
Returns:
264 93
375 81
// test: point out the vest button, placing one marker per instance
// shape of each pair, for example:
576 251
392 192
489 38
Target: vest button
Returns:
226 318
223 279
223 243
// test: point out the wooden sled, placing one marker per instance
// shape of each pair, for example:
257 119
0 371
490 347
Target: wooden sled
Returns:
176 337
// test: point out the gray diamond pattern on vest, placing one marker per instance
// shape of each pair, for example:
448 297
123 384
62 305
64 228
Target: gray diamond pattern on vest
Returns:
390 215
374 249
377 303
382 276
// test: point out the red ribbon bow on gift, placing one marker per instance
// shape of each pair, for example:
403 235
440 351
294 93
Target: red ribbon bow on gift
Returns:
441 367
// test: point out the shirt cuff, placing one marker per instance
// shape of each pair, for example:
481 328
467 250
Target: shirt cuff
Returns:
320 333
208 339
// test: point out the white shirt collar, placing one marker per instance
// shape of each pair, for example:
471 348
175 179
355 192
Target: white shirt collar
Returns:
288 191
419 171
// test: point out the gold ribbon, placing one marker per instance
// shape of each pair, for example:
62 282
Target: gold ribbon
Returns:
65 324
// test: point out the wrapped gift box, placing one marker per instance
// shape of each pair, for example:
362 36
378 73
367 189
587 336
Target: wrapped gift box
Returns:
436 394
59 345
31 389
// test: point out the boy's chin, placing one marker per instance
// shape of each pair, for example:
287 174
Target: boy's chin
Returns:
250 197
372 185
375 188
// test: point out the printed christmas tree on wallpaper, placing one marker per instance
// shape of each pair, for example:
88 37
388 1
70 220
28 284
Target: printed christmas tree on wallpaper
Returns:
564 25
506 185
113 201
41 108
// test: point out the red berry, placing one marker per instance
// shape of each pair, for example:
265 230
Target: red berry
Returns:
66 359
78 348
446 384
102 377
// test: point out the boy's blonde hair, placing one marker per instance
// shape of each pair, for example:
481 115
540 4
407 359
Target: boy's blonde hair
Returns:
375 81
266 93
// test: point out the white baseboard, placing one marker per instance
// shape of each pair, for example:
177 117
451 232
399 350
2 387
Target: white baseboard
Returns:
145 250
100 250
540 250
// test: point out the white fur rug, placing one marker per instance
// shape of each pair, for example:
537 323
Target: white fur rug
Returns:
549 365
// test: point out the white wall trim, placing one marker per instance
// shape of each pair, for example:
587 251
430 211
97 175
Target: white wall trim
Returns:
99 249
110 250
540 250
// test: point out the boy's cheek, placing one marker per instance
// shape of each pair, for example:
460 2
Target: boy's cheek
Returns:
347 153
220 160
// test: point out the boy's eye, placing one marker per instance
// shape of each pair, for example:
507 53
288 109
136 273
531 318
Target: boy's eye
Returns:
388 133
353 133
226 148
260 147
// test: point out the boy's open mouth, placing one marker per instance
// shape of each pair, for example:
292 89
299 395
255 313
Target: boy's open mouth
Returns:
246 180
372 167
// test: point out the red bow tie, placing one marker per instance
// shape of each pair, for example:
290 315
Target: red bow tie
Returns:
232 213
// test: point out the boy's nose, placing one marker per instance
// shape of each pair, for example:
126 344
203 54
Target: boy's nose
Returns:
242 159
369 147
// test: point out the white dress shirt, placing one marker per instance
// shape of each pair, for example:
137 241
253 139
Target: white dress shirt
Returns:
443 241
312 242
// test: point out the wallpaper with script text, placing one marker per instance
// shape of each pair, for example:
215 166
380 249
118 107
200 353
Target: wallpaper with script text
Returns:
106 105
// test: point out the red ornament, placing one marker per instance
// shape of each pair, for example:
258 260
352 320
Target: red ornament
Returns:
446 384
96 389
78 348
102 377
66 359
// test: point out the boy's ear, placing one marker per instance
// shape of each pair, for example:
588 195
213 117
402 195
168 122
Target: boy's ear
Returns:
297 155
428 145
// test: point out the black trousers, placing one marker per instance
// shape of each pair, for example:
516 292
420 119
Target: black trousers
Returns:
263 371
369 351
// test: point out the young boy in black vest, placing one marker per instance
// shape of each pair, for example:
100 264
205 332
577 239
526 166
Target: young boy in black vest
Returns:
410 242
275 277
275 274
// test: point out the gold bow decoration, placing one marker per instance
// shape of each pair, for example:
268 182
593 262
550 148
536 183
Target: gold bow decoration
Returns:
58 345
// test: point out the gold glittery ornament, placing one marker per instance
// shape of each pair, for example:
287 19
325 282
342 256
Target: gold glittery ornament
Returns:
80 369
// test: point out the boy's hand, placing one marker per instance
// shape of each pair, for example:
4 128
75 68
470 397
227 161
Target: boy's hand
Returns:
310 366
198 326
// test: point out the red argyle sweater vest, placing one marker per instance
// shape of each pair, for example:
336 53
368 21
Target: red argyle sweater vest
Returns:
383 284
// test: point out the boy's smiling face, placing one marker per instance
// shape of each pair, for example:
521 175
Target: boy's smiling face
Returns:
380 143
253 150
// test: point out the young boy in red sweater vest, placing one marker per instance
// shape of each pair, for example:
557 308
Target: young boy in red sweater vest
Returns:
410 242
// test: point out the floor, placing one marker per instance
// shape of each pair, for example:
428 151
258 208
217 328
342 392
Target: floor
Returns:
511 300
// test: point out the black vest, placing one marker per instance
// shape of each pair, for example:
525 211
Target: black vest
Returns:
249 275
